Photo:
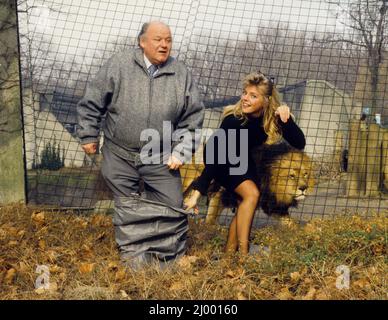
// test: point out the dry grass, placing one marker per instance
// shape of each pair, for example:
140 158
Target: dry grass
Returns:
298 262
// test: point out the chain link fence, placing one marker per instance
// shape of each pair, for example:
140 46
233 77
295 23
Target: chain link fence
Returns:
327 58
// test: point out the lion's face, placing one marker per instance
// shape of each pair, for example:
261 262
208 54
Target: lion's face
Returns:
291 177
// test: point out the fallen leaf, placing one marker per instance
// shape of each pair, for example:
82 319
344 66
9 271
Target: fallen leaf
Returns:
82 223
87 252
55 269
113 266
101 236
86 267
42 244
287 222
362 284
378 249
3 234
53 287
52 256
372 270
176 286
241 296
12 243
38 218
12 231
295 276
99 221
42 231
230 274
321 295
187 262
22 268
310 294
124 294
21 234
310 228
236 273
40 291
9 276
284 294
120 275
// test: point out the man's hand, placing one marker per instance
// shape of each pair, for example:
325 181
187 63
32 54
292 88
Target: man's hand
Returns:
174 163
90 148
283 112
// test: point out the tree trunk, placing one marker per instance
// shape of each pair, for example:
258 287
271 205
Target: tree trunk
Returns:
385 159
12 171
357 150
373 161
374 88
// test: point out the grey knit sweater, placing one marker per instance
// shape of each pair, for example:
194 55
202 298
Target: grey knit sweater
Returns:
134 101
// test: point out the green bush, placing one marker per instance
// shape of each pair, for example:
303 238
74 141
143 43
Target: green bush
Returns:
50 157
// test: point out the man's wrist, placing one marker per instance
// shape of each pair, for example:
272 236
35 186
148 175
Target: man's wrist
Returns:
88 141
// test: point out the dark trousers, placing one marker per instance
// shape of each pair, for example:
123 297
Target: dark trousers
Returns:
152 225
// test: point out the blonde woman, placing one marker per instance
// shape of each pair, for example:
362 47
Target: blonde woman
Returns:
265 120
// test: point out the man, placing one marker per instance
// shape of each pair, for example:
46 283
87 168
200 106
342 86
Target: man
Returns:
144 93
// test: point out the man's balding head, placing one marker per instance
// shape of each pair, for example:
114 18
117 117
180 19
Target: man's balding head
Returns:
156 41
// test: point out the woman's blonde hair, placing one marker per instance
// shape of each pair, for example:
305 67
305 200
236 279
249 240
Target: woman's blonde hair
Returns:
271 128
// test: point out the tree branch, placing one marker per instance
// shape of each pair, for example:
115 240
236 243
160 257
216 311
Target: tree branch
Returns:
352 42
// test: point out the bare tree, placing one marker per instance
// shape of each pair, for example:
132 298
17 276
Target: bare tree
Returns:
367 25
9 71
8 45
289 55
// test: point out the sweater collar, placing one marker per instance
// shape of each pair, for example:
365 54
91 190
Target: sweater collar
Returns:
169 67
147 62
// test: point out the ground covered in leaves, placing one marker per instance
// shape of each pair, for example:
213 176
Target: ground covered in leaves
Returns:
75 255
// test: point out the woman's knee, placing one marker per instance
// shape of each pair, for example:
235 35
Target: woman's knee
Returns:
248 191
251 199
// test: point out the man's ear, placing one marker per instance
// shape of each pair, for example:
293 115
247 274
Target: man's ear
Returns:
141 42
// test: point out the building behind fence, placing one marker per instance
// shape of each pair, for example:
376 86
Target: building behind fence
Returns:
327 84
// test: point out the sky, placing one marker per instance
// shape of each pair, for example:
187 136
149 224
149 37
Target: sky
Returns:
76 26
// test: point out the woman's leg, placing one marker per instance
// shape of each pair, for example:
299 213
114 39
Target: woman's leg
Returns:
232 242
242 223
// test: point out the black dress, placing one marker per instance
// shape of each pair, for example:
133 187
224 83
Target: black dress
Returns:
218 166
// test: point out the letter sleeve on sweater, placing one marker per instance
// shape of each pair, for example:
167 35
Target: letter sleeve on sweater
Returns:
190 119
93 105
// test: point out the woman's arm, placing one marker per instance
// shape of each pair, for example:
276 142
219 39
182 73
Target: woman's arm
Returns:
202 183
200 186
293 134
220 136
290 130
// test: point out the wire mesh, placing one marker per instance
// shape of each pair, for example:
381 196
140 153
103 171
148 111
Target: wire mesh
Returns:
328 64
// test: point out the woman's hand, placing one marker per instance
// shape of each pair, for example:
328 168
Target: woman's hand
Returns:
283 112
191 201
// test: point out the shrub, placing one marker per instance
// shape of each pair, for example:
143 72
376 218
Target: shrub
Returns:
50 157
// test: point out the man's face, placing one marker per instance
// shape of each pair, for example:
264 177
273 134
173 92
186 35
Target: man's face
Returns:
156 43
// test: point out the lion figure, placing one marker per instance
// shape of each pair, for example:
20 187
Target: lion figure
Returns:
284 177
